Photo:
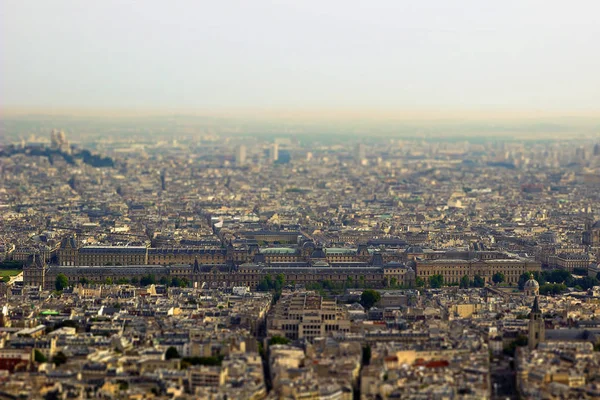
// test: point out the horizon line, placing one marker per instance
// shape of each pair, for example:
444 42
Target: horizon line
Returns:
287 112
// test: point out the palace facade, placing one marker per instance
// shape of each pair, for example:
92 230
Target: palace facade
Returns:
304 264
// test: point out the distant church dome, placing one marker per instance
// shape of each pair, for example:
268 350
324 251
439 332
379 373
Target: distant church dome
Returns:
532 287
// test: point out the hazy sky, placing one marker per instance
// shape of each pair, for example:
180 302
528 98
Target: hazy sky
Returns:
437 54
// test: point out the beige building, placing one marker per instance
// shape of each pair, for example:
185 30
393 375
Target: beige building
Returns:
34 272
570 261
307 316
454 269
205 375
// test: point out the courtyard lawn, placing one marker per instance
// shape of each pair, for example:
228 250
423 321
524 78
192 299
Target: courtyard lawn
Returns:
9 272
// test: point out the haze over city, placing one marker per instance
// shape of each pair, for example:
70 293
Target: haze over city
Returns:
394 56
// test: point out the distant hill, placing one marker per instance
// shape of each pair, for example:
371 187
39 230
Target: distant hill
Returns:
86 156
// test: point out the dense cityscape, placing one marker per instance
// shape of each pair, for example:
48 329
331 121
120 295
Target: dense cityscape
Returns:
299 200
245 266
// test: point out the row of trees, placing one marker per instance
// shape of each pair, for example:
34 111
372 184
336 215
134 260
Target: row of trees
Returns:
268 284
11 264
557 281
62 281
437 281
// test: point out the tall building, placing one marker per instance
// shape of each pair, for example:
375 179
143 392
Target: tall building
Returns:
537 330
240 155
274 152
361 153
591 234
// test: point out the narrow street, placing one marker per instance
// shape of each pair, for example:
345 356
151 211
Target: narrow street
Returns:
503 380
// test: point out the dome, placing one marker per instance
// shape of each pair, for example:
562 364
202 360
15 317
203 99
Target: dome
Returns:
414 250
308 245
318 253
531 283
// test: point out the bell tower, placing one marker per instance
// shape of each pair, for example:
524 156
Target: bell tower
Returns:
537 330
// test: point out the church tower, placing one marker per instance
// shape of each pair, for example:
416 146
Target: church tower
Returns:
537 330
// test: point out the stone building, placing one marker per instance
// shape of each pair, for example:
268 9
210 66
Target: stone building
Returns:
453 269
570 261
307 316
45 252
34 271
68 251
187 255
591 234
112 255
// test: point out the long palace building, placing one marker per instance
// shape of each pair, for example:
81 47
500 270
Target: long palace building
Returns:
247 265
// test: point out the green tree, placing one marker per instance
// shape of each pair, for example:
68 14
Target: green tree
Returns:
61 282
524 277
279 340
185 282
498 277
134 281
436 281
279 282
84 281
478 281
393 282
587 282
520 341
171 353
349 281
419 282
265 284
108 281
465 282
552 288
39 357
149 279
59 358
369 298
122 281
164 281
176 281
